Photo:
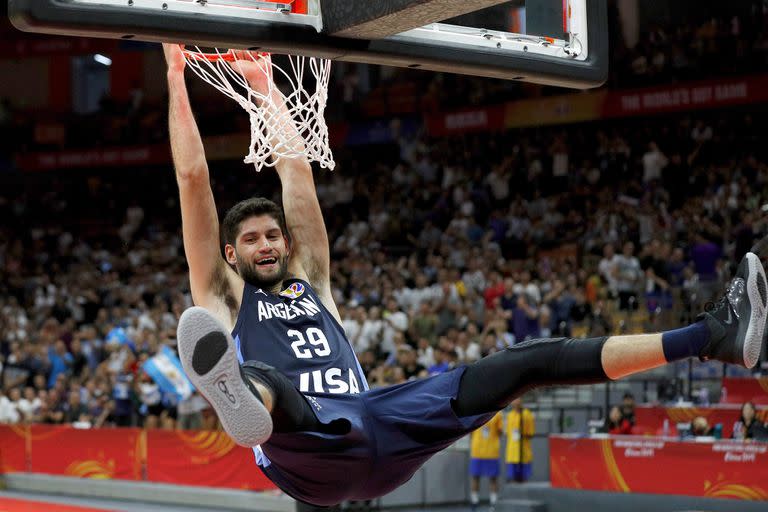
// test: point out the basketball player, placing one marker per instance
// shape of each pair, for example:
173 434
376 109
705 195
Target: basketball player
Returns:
484 452
520 430
266 348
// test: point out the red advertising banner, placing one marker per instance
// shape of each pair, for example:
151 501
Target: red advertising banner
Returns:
209 459
724 469
687 96
602 104
13 448
96 453
466 121
88 158
649 420
740 390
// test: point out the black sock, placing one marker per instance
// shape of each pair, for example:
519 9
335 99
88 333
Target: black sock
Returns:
686 342
493 382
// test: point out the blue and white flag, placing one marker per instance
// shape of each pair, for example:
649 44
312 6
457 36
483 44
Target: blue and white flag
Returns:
165 369
118 336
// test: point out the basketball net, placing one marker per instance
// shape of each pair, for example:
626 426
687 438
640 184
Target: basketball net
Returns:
282 126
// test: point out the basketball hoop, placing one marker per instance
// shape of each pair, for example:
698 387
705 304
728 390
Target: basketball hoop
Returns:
272 136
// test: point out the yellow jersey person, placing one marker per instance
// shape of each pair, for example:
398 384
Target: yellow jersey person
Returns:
485 450
520 430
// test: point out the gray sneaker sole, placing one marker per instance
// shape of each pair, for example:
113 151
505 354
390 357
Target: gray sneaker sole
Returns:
753 338
202 349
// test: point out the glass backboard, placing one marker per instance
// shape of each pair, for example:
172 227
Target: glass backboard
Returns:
556 42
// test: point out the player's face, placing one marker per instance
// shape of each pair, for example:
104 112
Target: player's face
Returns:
261 252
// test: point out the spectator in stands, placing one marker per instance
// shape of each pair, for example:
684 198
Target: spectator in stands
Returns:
29 405
606 268
520 430
74 410
60 361
628 407
749 425
654 162
705 255
628 275
150 398
616 423
190 412
444 358
406 359
9 413
700 427
484 452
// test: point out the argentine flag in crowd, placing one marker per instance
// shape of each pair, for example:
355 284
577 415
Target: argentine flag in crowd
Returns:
119 336
165 369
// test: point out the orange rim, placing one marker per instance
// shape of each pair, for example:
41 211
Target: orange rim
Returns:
228 56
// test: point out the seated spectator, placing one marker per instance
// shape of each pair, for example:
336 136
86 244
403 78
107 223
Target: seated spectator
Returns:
700 427
74 410
616 423
9 413
443 361
406 359
628 407
30 404
749 426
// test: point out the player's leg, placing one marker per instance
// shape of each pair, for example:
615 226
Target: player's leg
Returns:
474 492
252 399
494 489
732 331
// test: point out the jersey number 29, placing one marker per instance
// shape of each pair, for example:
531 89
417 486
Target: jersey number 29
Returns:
316 338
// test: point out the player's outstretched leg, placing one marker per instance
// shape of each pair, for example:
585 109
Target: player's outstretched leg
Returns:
209 358
731 331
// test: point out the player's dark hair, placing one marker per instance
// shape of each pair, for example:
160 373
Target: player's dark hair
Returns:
246 209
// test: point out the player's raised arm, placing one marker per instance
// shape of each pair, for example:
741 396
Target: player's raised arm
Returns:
214 285
310 252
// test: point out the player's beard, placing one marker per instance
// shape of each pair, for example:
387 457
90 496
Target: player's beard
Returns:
252 275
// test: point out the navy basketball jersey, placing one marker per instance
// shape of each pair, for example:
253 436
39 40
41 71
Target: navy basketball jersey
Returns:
294 332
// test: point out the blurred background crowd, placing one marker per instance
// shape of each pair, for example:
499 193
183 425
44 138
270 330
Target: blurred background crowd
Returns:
444 249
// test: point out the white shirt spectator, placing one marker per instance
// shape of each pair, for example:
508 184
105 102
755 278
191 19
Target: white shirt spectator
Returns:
28 408
605 268
560 164
470 354
474 280
353 329
426 356
498 183
393 323
150 393
531 290
9 414
370 334
628 273
653 163
701 132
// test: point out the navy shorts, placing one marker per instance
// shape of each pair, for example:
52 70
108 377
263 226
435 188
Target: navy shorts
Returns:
484 467
519 472
394 431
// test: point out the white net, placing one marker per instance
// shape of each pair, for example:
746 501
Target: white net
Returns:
290 125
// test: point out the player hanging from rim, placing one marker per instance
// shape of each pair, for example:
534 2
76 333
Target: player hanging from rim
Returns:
266 348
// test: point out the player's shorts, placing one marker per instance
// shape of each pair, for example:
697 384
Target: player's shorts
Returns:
519 472
393 432
484 467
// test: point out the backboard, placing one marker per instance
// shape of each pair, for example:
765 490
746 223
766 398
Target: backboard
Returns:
556 42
